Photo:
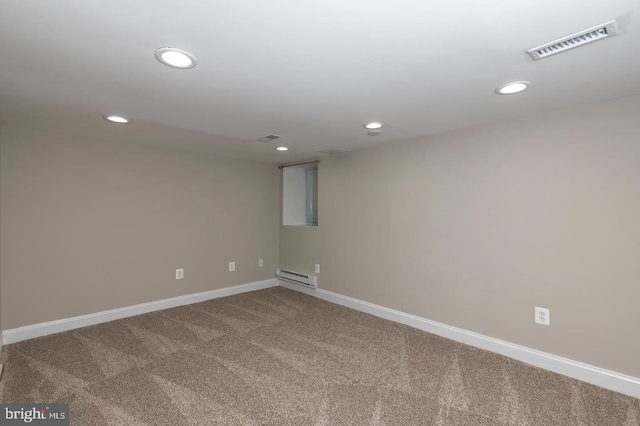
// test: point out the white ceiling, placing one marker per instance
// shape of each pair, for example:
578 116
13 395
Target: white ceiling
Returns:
312 71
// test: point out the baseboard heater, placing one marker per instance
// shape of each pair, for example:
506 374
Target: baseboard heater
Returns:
310 281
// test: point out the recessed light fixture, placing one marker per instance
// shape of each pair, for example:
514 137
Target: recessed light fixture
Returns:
116 119
282 148
374 125
513 87
176 58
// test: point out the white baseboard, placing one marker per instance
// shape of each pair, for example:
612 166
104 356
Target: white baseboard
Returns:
611 380
51 327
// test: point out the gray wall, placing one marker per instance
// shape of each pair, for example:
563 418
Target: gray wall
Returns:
89 225
471 228
474 228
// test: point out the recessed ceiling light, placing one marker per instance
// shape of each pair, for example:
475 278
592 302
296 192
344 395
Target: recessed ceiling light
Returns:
373 125
176 58
282 148
116 119
513 87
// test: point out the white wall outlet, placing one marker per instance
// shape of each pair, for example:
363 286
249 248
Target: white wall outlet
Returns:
542 316
232 266
261 262
317 268
179 274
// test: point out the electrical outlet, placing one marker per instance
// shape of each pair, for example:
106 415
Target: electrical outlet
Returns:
232 266
542 316
261 262
179 274
317 268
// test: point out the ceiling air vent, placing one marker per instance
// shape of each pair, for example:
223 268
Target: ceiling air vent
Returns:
269 138
581 38
335 151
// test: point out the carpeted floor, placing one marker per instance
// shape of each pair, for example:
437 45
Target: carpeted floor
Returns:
279 357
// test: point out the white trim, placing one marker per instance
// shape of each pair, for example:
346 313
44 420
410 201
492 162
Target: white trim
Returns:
51 327
611 380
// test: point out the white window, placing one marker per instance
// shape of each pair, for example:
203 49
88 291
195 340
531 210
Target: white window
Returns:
300 195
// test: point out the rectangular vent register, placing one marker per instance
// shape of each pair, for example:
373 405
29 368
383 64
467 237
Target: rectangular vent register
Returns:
599 32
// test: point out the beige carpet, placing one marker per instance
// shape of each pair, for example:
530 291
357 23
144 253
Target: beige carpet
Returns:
279 357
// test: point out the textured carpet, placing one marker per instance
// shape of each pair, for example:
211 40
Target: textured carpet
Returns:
279 357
